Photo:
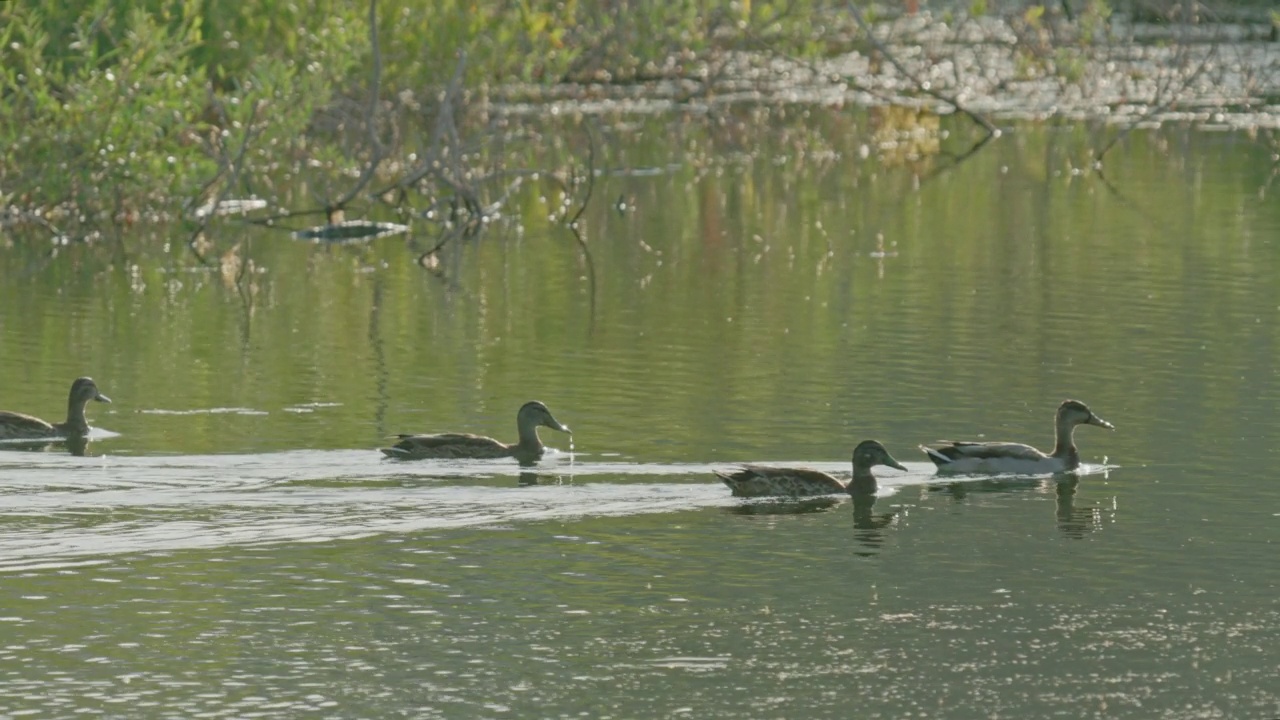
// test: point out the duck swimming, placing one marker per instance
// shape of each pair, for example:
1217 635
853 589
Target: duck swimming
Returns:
763 481
528 448
1004 457
17 426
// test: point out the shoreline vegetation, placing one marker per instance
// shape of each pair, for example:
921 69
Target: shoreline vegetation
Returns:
117 117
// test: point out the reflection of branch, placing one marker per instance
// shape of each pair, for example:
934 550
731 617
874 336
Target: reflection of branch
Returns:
1155 220
591 177
1160 107
246 297
591 276
452 233
922 86
572 224
956 160
1275 169
378 345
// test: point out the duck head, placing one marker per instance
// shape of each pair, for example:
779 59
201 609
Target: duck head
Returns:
870 453
85 389
534 414
1074 412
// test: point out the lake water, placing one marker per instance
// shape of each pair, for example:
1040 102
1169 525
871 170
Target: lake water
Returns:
232 544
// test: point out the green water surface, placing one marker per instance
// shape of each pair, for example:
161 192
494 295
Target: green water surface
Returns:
233 546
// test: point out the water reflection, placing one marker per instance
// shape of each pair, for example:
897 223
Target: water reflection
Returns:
868 526
1073 521
77 446
531 477
733 309
787 506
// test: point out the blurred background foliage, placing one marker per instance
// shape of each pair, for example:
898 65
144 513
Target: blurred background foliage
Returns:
117 112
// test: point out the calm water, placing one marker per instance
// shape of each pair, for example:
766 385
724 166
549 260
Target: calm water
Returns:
232 545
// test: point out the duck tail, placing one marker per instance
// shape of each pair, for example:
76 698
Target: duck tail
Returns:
726 478
938 458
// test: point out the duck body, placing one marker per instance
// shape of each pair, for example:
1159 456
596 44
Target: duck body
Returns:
529 447
958 456
449 445
19 426
951 456
766 481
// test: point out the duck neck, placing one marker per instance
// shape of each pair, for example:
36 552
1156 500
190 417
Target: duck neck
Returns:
529 440
1064 445
863 481
75 417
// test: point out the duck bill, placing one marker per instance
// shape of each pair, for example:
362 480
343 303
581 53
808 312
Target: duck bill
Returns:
555 425
102 398
1095 420
894 464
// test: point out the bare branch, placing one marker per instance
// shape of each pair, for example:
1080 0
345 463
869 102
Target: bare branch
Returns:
371 112
922 86
591 177
231 167
444 118
1159 107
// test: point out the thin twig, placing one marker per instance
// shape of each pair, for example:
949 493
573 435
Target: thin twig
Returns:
1159 108
371 113
443 117
922 86
591 177
574 228
231 167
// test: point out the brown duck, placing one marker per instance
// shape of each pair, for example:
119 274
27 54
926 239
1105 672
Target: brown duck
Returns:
764 481
529 447
17 426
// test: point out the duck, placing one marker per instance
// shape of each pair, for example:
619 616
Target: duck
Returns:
764 481
952 456
18 426
529 447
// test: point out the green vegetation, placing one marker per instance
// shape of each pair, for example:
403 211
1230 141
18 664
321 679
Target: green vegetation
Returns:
119 112
115 110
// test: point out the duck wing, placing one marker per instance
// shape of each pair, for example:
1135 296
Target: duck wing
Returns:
764 481
14 426
957 450
989 457
447 445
